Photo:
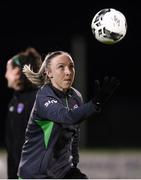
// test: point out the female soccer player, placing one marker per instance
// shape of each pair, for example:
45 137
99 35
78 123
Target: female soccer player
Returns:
52 136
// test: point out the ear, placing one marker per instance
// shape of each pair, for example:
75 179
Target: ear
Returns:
49 73
17 71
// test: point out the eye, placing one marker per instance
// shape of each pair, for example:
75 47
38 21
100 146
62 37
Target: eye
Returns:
71 66
61 67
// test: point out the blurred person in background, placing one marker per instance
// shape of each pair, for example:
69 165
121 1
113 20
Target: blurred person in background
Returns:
51 147
20 105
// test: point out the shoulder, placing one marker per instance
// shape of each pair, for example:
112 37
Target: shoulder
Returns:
45 96
77 93
45 90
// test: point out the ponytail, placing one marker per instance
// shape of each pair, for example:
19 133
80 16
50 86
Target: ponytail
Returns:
38 78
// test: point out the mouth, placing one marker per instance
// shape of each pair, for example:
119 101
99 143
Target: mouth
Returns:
68 80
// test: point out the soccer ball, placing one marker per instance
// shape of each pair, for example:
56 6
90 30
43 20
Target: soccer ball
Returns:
109 26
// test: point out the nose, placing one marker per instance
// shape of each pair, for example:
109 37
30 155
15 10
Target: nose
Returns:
67 71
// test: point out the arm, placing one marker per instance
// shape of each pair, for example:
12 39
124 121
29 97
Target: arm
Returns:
51 109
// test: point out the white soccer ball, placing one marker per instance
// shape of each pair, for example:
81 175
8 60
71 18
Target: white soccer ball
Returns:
109 26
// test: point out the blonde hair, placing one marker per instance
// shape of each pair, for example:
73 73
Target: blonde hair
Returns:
40 78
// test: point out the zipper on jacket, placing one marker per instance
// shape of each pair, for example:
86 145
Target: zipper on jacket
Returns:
67 103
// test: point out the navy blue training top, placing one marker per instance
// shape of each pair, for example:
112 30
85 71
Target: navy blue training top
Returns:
52 135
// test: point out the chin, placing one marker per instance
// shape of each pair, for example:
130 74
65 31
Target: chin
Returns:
9 85
65 88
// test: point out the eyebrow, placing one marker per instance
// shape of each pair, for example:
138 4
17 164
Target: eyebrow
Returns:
64 63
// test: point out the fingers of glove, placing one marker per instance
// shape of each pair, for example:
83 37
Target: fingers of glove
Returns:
109 86
97 85
114 83
110 83
105 82
114 80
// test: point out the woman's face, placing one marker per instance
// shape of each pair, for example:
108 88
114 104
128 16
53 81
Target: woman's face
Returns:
61 72
12 75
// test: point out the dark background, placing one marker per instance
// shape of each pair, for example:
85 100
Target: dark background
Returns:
52 26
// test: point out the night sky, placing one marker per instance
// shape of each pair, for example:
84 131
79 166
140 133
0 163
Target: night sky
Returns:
52 26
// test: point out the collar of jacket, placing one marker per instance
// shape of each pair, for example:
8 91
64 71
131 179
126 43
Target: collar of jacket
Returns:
61 94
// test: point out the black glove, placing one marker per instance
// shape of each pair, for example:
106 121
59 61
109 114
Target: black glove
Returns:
105 90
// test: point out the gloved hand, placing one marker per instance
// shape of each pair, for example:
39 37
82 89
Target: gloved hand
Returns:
105 90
